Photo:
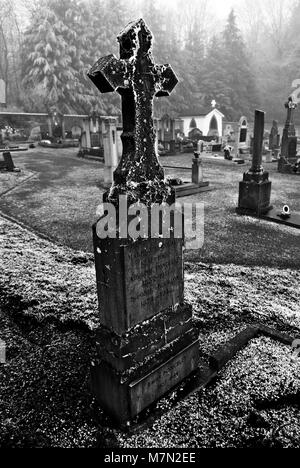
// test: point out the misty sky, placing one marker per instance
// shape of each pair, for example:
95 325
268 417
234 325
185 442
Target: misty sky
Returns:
220 7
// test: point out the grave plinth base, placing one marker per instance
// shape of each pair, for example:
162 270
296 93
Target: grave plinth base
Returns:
254 194
148 341
171 328
186 189
125 396
286 166
289 146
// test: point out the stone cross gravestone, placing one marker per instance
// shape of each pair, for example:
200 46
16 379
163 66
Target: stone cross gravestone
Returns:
255 189
137 79
148 342
288 156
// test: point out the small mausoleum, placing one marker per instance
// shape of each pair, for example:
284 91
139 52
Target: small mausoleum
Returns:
204 122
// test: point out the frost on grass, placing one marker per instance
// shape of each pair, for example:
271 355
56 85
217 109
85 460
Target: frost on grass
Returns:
44 281
45 398
10 180
227 298
247 407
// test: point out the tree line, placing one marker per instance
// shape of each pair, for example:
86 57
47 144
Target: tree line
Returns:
250 61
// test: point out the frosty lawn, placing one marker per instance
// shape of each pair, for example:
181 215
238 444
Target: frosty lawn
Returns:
48 314
53 204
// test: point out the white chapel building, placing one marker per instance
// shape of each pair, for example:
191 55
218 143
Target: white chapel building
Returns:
208 121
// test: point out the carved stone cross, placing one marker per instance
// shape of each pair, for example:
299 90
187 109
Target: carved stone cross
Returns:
291 106
137 79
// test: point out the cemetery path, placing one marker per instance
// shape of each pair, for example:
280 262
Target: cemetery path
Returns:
48 311
61 203
62 199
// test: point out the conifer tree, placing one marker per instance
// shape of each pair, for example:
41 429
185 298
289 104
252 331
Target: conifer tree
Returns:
241 93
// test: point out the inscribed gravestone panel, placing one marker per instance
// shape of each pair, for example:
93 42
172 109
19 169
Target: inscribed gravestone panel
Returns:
153 278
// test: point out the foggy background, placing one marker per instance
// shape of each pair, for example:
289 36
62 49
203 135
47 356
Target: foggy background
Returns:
244 54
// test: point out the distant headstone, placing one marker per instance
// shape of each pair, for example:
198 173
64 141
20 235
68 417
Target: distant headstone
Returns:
255 189
36 133
76 132
56 123
7 163
197 170
243 131
149 342
288 156
274 138
166 133
2 92
91 141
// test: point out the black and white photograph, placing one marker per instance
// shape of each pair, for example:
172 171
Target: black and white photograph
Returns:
149 226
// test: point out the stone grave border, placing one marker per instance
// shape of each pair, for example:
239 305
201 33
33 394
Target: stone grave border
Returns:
205 375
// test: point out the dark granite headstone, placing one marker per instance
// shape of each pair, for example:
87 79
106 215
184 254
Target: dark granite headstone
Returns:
255 189
7 164
148 342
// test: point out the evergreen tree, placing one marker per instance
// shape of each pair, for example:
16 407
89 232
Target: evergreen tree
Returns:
107 19
214 80
240 89
64 39
54 55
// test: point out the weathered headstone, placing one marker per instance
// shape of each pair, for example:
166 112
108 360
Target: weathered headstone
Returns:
243 131
255 189
274 138
148 342
7 163
91 141
110 148
242 142
166 133
76 132
197 185
35 133
2 93
56 124
288 156
197 170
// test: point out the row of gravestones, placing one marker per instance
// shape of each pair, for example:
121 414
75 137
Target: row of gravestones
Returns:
255 189
285 152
